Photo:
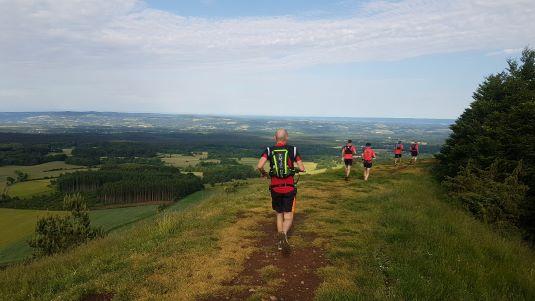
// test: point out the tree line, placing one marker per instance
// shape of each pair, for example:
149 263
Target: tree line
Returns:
131 184
488 162
21 154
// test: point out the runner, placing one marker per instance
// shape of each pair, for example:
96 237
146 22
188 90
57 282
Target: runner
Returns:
415 146
348 151
282 158
398 150
367 157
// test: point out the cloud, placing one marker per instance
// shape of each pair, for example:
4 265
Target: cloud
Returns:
128 33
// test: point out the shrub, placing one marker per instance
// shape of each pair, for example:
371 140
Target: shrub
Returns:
487 195
54 234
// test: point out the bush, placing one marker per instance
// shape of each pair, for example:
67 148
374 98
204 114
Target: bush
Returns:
54 234
486 195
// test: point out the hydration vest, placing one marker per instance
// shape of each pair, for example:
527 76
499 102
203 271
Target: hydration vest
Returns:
414 147
281 160
399 146
348 149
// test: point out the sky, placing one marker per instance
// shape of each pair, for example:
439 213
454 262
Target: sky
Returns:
354 58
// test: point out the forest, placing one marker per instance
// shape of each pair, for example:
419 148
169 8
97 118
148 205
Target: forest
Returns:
130 184
20 154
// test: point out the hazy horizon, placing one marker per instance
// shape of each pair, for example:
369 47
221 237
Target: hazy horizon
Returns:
225 115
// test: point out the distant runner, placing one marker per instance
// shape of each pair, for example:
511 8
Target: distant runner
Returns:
348 151
414 151
282 158
367 157
398 151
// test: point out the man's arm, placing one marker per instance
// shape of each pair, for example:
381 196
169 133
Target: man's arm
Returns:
300 165
260 166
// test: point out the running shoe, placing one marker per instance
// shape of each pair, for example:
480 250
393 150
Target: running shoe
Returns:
285 244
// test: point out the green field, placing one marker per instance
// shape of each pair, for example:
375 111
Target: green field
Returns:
49 169
397 236
40 171
29 188
181 161
17 226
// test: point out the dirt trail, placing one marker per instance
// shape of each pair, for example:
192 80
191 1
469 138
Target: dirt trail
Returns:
270 275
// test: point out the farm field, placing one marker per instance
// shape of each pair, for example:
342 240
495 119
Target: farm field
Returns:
29 188
181 161
18 225
40 171
49 169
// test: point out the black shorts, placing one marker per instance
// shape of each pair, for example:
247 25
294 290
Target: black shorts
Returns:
367 164
414 153
348 162
283 202
397 155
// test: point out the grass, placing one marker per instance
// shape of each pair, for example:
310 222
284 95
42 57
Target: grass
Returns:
18 225
29 188
40 171
182 161
395 237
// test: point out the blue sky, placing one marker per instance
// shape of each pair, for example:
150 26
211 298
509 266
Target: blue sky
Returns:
404 58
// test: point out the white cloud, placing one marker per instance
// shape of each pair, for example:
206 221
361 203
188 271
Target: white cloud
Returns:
123 55
128 32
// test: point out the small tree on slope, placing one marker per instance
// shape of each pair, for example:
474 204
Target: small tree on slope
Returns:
54 234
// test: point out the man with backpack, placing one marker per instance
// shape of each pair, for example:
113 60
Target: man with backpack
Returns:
398 151
348 151
282 160
414 151
367 157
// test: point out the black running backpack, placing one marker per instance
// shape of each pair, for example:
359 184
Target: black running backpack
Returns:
348 149
281 160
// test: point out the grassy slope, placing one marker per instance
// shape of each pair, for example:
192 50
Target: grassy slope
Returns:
394 237
17 226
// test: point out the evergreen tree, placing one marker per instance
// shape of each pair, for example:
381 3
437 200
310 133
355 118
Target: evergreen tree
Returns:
499 129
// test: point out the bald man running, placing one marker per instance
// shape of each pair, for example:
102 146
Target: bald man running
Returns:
282 158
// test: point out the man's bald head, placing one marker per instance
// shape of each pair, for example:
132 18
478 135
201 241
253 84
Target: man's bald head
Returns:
281 135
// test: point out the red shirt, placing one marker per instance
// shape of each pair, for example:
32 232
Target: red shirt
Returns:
368 154
353 151
283 181
399 149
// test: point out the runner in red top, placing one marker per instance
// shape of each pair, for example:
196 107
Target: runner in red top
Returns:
282 159
415 150
367 159
348 151
398 151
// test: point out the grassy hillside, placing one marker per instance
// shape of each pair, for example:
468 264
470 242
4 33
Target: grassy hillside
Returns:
18 225
395 237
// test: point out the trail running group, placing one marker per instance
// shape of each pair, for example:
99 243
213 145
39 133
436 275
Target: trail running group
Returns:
285 161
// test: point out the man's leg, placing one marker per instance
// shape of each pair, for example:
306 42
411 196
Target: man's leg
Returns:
348 171
367 174
280 221
287 223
